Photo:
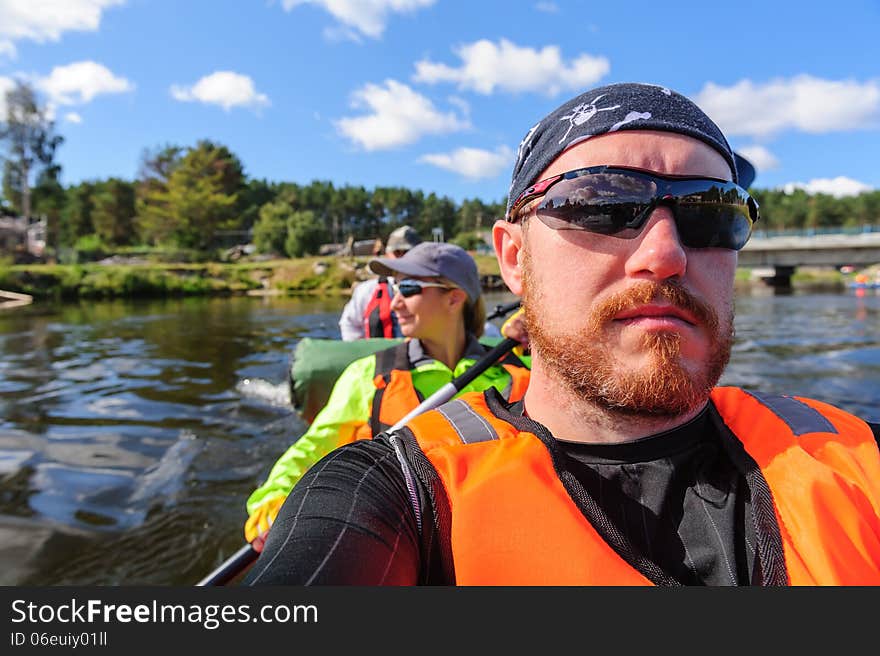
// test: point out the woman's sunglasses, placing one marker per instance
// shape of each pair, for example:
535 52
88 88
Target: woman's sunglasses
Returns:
407 288
617 201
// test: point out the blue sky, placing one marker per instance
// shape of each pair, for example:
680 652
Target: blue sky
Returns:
437 94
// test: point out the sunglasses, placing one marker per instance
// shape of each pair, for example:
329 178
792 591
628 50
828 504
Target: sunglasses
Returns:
617 201
407 288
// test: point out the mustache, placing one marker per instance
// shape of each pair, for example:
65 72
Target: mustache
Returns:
646 291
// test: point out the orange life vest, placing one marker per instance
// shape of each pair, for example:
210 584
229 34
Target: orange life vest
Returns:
396 395
514 523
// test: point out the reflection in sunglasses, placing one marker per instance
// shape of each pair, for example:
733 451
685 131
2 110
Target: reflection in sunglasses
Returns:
616 201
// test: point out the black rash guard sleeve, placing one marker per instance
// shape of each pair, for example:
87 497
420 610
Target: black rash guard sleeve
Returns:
348 521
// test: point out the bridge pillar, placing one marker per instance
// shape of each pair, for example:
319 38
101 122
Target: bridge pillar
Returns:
778 276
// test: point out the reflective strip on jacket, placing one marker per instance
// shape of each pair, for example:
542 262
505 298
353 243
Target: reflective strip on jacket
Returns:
514 523
396 394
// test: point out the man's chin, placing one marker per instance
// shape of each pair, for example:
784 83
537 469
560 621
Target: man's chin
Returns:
657 390
652 379
650 366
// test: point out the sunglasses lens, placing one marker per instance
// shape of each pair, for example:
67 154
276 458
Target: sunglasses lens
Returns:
618 219
709 214
720 216
408 289
602 203
720 226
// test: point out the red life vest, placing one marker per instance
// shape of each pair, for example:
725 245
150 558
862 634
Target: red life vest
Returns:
377 314
514 523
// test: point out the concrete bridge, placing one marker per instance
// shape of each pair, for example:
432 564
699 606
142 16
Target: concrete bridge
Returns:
774 259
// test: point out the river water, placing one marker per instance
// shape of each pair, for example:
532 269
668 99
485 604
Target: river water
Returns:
131 433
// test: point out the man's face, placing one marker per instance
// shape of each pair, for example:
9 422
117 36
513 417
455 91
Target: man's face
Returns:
640 326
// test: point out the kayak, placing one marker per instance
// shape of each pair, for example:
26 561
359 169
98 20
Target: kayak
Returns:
317 363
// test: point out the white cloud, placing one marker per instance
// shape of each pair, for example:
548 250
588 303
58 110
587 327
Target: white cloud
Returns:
224 88
837 187
367 17
398 116
46 20
463 105
80 82
762 158
487 66
547 7
339 33
73 117
804 103
472 163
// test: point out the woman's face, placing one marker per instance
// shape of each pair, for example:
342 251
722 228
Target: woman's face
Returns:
430 314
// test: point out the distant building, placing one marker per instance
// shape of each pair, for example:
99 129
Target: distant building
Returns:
22 239
353 248
366 247
330 249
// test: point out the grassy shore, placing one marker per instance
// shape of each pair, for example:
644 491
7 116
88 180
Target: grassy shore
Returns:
310 275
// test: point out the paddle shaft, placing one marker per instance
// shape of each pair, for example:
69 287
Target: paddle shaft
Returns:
503 310
231 567
247 554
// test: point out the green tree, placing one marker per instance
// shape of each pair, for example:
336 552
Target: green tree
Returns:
152 203
30 144
305 234
870 207
253 195
76 215
113 211
379 200
48 202
198 199
320 198
474 214
470 241
407 206
436 212
270 230
826 211
351 204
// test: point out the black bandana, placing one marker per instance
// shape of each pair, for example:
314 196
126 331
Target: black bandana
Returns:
625 106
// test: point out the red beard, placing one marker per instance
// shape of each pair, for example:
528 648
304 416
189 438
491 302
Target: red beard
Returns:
586 365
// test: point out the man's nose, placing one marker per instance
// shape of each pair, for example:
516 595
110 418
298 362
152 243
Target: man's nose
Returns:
659 251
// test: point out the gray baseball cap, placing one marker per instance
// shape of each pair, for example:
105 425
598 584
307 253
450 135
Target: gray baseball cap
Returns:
431 258
402 239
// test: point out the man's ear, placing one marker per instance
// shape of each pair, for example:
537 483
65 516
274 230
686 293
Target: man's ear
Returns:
508 240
